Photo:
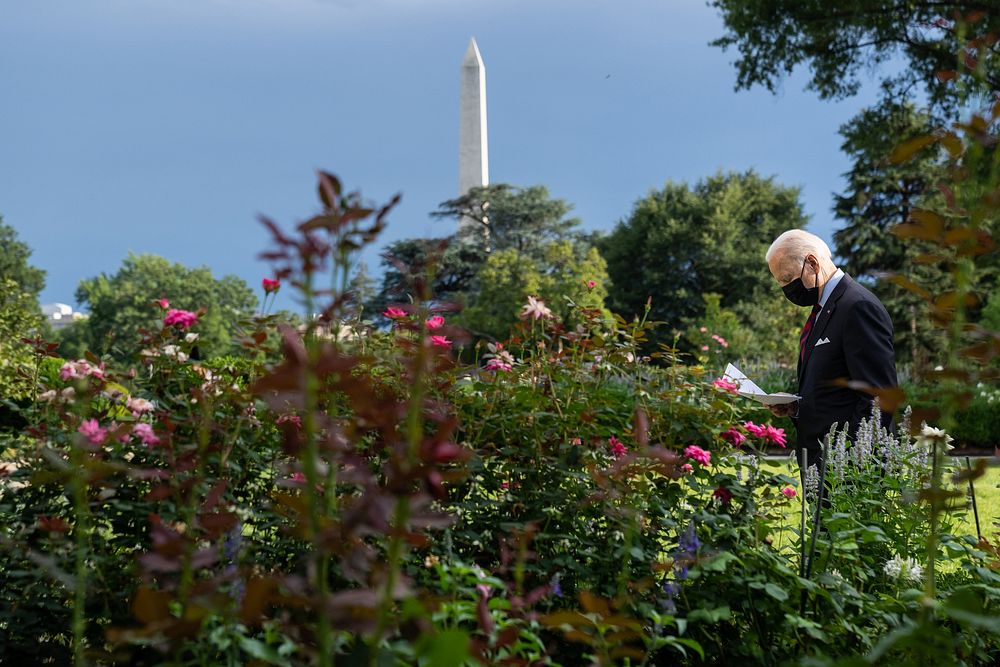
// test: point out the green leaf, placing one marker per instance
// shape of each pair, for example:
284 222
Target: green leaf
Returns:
776 591
261 651
448 648
710 615
965 607
718 562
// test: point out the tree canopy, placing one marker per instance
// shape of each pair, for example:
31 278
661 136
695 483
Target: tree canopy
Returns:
503 216
839 41
14 265
122 304
488 220
567 272
683 241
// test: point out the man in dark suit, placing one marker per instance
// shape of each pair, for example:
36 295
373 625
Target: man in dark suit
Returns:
847 336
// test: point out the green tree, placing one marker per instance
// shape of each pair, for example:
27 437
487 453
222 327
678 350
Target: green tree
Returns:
560 278
881 194
505 217
489 220
19 319
123 304
837 42
681 242
14 265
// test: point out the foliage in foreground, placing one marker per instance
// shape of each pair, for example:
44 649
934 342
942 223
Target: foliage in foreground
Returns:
561 501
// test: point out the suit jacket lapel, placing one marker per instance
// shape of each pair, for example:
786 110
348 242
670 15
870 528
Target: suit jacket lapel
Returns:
822 319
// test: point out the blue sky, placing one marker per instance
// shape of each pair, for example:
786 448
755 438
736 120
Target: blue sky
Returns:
167 126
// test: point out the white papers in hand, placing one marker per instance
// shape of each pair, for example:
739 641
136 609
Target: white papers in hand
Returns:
747 388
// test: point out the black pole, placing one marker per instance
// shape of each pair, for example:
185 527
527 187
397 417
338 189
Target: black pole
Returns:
819 504
972 492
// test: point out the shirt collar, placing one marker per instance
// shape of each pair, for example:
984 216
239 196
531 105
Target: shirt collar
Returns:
831 285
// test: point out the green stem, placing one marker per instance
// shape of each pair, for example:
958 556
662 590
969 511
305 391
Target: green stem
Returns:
80 510
401 515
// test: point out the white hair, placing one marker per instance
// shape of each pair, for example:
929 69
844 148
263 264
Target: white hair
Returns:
795 244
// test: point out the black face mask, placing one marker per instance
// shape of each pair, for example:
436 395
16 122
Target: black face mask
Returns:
797 292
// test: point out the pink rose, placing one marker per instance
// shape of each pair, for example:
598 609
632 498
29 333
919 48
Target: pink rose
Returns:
734 437
698 454
498 364
687 467
434 323
270 285
138 406
182 318
755 430
618 449
163 303
775 435
92 430
788 492
725 385
80 369
440 341
591 284
394 313
145 433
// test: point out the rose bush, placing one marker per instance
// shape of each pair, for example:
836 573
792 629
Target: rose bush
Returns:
402 496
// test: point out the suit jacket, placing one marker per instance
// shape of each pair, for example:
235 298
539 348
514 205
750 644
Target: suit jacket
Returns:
851 339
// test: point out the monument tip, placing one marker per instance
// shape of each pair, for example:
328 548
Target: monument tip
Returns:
472 56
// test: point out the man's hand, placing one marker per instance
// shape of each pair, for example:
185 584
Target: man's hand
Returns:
784 409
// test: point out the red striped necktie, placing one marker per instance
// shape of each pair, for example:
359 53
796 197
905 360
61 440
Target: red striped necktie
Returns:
806 330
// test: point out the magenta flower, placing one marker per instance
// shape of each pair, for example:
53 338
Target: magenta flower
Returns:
789 492
145 433
725 385
734 437
505 485
163 303
434 323
698 454
591 285
755 430
775 435
618 449
687 467
181 318
92 431
440 341
270 285
394 313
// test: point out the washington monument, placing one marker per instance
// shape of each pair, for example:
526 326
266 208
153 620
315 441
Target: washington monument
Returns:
473 158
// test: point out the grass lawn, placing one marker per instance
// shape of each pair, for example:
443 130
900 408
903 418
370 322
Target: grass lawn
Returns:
987 500
987 490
